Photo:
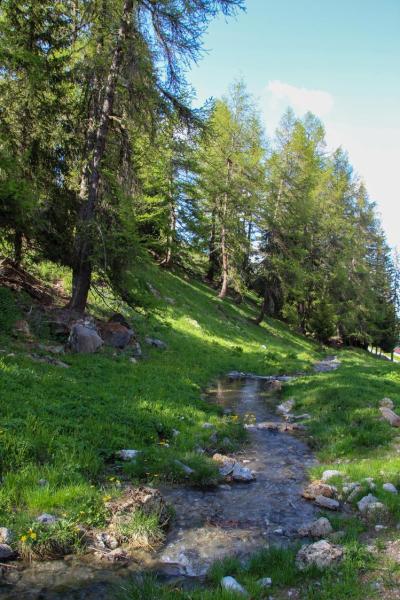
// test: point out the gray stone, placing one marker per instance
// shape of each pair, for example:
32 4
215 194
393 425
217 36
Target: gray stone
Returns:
265 582
230 584
137 350
279 531
321 554
386 403
389 487
208 426
240 473
318 529
365 502
46 519
84 338
325 502
128 454
6 552
43 482
6 535
156 343
285 407
380 527
105 540
326 475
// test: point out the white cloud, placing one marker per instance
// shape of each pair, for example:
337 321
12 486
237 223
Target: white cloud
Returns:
299 98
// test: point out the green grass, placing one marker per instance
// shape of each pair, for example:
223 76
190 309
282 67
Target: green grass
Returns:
66 425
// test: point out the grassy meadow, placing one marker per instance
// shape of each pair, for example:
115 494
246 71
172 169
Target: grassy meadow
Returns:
61 428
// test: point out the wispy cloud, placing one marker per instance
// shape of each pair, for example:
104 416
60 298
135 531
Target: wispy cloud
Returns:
300 99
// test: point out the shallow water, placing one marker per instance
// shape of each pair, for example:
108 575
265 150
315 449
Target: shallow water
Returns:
229 520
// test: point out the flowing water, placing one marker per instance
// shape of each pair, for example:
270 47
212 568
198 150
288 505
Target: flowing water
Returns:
234 519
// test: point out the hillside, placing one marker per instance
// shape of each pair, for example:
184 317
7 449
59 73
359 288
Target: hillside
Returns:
64 426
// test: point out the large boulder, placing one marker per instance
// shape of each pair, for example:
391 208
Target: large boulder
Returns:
116 335
83 338
390 416
321 554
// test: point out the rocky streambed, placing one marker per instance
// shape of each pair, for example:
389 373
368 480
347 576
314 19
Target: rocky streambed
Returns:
235 518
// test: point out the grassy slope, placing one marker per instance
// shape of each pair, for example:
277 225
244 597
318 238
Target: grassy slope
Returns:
66 425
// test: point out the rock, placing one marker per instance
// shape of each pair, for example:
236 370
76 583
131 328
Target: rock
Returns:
230 584
21 327
137 350
321 554
279 531
50 360
156 343
153 290
326 475
52 349
118 318
6 552
187 470
318 529
386 403
175 433
128 454
46 519
133 360
43 482
318 488
274 386
6 535
325 502
265 582
389 487
240 473
285 407
84 338
116 555
375 511
105 540
380 527
365 502
227 464
116 335
354 493
169 300
208 426
390 416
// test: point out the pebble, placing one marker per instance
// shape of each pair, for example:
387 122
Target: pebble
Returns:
389 487
128 454
279 531
326 475
46 518
230 583
265 582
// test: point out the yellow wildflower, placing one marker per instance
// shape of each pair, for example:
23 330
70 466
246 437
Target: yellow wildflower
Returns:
106 498
33 535
23 538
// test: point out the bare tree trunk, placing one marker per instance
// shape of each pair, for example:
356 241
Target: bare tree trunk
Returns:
18 246
263 308
212 250
90 181
224 249
171 234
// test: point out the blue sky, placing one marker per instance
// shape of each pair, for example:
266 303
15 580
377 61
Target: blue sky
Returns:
340 59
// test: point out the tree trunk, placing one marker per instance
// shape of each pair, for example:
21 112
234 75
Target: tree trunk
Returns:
263 308
90 180
18 246
171 234
212 250
224 249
